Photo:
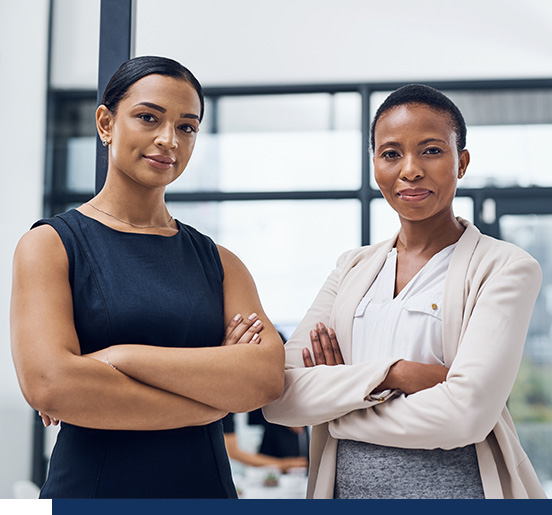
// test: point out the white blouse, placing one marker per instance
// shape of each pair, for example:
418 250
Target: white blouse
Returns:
407 326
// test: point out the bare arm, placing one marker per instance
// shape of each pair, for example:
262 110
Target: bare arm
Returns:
54 377
232 377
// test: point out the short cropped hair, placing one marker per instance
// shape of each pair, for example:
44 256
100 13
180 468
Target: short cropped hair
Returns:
426 95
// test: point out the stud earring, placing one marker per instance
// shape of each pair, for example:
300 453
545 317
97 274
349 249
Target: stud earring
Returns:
104 143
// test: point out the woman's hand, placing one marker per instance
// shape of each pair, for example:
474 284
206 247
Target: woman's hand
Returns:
48 420
411 377
241 330
407 376
324 347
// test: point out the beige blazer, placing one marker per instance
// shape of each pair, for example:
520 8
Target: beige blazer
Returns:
490 291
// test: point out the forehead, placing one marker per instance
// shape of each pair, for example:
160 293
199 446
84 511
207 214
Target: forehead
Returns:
167 92
414 118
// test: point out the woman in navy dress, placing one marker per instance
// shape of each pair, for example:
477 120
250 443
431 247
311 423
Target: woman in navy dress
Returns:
132 328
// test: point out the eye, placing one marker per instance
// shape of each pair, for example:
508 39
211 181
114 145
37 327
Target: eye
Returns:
390 154
433 151
188 129
146 117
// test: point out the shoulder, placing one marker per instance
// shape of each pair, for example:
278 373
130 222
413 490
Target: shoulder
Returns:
490 257
40 248
41 238
207 249
500 254
484 250
497 249
353 257
230 261
198 238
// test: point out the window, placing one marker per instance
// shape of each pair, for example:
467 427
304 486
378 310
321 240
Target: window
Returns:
282 177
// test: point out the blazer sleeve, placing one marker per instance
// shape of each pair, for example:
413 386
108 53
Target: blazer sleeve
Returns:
322 393
465 408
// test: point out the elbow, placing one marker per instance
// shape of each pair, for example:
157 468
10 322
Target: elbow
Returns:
43 389
260 393
272 379
39 393
271 389
469 427
275 387
477 429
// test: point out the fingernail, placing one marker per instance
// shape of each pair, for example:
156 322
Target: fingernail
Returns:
257 323
253 316
237 317
255 337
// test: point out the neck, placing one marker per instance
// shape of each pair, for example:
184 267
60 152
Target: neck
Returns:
141 206
429 236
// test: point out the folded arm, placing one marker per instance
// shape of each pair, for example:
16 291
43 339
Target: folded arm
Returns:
313 395
465 408
233 378
54 378
57 381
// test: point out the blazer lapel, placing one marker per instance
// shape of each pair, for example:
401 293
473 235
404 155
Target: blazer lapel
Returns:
362 274
454 295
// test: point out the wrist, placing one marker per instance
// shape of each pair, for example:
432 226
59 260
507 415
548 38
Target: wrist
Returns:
393 379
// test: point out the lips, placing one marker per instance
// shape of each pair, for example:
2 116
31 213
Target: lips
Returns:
159 161
414 194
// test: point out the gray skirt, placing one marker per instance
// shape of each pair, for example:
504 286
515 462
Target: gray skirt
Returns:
367 471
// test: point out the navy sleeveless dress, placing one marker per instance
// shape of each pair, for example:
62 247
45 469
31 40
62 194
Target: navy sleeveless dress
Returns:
141 289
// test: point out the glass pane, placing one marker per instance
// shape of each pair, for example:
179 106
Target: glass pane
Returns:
81 164
279 143
384 221
275 113
507 134
508 155
289 247
531 399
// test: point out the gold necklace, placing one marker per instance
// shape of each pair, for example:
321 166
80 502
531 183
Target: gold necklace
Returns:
130 223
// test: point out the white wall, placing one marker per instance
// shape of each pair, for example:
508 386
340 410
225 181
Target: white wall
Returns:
308 41
247 41
23 38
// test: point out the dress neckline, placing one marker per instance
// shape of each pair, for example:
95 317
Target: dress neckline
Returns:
178 225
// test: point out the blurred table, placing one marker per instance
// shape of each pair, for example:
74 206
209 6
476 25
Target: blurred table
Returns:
267 483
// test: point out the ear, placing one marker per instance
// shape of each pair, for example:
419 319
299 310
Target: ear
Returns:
463 163
104 123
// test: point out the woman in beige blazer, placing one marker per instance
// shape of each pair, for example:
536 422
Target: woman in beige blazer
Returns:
400 406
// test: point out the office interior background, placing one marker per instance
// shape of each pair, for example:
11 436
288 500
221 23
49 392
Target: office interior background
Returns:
281 172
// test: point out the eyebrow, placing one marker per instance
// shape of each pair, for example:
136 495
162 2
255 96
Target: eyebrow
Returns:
151 105
429 140
423 142
388 144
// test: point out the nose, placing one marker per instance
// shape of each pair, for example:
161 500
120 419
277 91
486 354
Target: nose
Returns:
411 169
166 137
